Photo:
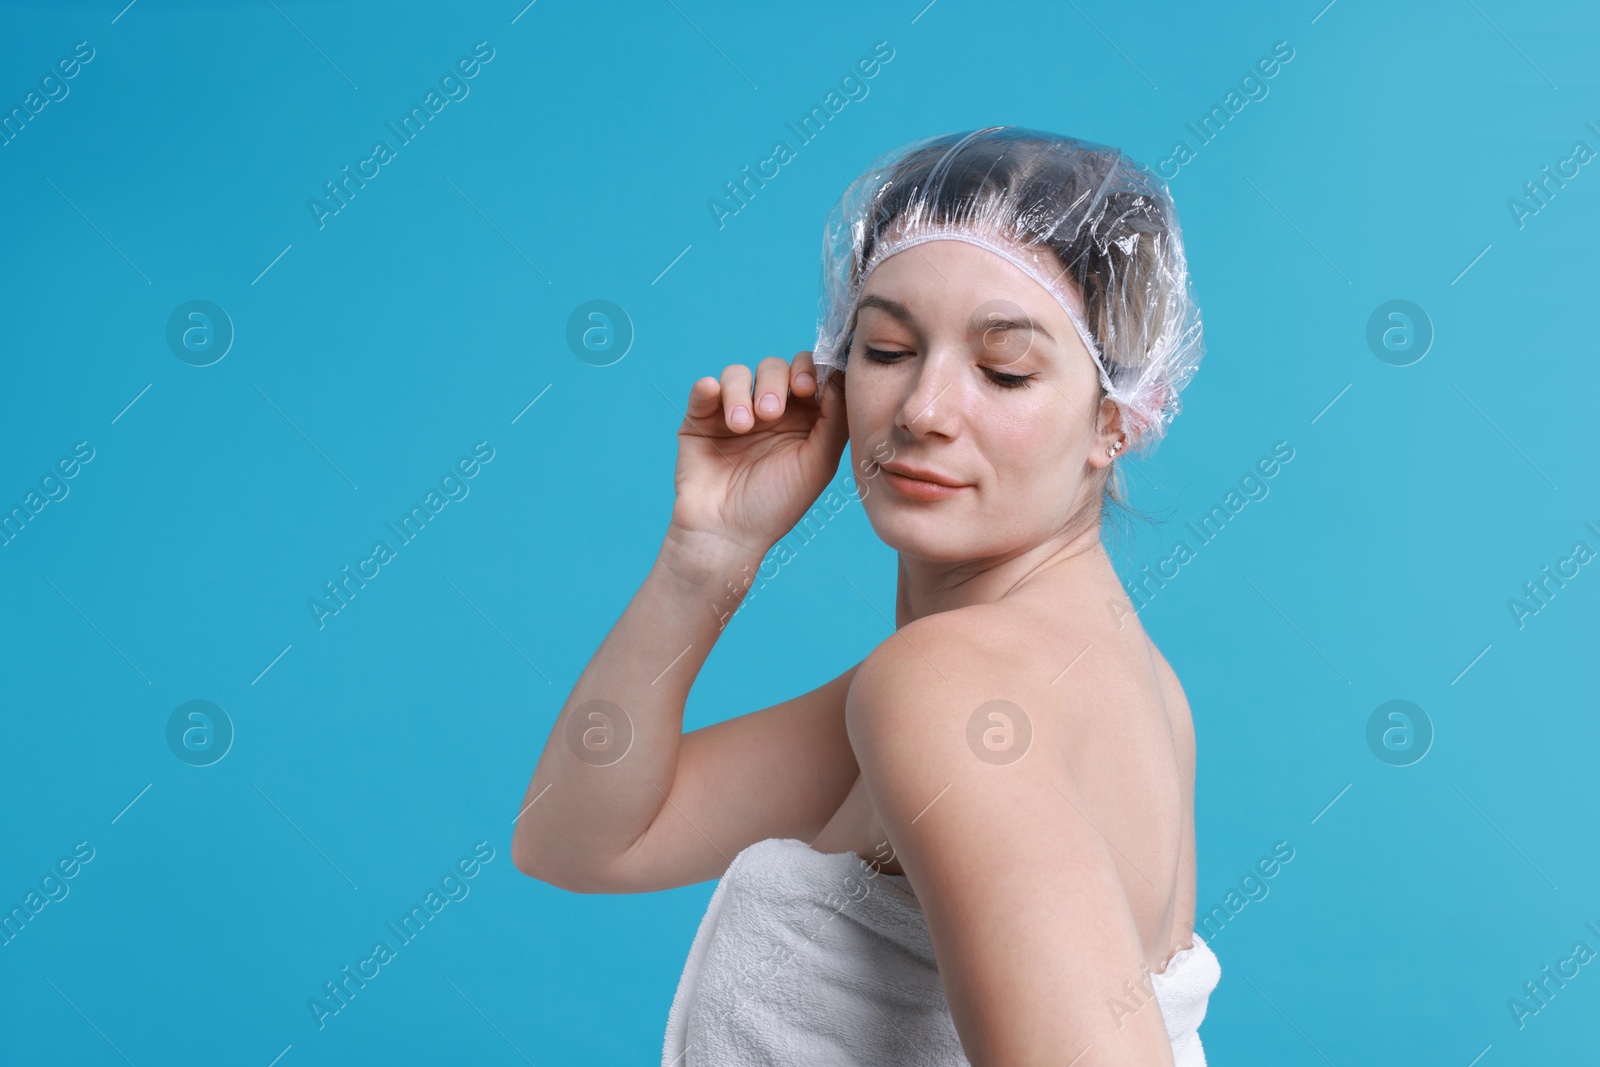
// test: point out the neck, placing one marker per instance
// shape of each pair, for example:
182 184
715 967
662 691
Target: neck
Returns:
927 587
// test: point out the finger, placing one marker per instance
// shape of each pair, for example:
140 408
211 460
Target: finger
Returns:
736 380
804 378
832 400
831 433
703 397
772 387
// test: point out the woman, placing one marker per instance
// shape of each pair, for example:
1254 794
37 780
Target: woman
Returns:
977 844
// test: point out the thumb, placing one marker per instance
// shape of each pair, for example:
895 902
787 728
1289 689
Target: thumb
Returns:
831 432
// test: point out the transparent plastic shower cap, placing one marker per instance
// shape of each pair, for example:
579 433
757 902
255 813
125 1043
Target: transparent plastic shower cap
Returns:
1114 251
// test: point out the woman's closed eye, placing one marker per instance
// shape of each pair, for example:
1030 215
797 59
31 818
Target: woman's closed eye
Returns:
999 378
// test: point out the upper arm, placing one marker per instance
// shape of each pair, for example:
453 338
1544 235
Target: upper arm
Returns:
1030 924
778 772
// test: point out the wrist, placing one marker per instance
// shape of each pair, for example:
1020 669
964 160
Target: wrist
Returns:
700 560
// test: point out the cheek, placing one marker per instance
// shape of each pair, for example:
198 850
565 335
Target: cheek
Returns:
869 401
863 422
1034 454
1027 438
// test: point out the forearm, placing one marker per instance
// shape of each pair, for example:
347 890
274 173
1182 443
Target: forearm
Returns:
610 759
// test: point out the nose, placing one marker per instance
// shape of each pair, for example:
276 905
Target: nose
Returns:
932 404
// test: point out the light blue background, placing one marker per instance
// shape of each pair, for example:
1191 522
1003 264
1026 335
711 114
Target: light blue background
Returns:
433 309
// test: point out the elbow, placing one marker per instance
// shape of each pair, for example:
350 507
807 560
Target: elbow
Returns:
535 862
538 866
522 858
531 860
546 873
567 880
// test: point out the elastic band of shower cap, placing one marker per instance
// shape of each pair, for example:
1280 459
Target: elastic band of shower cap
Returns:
1093 228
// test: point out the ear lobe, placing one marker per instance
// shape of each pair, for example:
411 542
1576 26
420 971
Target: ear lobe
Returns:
1109 434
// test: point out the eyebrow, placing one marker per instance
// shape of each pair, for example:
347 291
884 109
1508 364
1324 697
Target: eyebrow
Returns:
903 313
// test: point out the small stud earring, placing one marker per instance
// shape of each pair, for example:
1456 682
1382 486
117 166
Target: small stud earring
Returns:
1113 449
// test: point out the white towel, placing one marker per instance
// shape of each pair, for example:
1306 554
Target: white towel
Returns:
808 958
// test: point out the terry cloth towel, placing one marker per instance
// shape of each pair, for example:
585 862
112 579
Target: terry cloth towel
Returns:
806 958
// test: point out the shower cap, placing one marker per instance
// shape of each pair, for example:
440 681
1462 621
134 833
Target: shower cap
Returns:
1108 223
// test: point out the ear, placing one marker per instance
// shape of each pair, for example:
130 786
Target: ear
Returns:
1109 431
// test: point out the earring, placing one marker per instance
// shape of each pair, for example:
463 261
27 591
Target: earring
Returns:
1113 449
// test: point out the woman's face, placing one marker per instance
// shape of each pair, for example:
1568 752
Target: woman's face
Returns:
946 374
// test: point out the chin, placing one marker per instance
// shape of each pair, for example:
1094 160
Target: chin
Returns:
939 538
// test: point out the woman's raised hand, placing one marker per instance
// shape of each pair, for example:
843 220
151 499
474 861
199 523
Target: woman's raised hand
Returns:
753 456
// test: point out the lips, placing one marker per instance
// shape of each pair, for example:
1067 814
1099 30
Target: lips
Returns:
921 474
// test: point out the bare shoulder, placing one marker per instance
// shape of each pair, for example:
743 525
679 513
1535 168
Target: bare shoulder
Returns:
1046 660
947 701
986 640
952 722
919 683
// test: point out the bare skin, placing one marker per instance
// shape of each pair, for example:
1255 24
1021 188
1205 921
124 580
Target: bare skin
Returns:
1053 856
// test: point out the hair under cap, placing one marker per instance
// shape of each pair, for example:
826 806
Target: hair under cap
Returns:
1117 266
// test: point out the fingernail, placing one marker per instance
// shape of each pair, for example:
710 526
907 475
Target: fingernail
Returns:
741 414
804 378
768 403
